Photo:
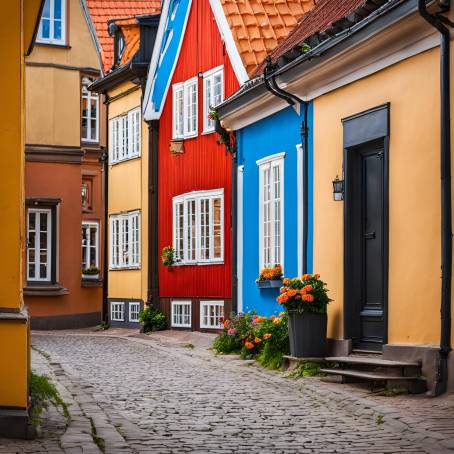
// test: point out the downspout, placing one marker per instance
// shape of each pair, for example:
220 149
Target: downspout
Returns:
105 282
234 226
437 21
153 253
273 87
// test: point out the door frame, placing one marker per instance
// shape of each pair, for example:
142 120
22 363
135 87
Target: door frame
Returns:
360 129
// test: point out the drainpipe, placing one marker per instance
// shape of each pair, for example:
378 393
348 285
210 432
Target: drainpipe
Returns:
273 87
105 282
153 253
234 221
437 21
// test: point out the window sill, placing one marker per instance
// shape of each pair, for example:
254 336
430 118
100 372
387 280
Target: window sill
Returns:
45 290
208 131
87 283
198 264
49 44
114 163
126 268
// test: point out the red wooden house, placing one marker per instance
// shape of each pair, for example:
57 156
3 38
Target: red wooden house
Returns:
205 50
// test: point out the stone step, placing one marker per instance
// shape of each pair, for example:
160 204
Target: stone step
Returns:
370 361
371 376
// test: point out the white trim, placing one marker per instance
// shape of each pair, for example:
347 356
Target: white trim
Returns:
64 20
89 96
37 248
148 105
187 303
210 76
268 164
208 303
117 235
133 304
125 126
227 36
270 158
88 224
300 204
118 304
240 208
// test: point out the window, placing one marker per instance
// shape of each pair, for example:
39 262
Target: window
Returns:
39 244
211 313
125 136
117 312
271 210
125 240
90 245
198 227
52 28
213 95
181 314
90 113
185 109
134 311
87 193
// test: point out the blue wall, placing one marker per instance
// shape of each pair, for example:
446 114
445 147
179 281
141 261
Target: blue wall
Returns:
275 134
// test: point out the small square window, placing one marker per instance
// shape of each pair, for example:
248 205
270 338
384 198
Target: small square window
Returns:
213 95
134 311
117 312
211 314
181 314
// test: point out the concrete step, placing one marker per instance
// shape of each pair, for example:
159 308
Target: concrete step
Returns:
366 375
370 361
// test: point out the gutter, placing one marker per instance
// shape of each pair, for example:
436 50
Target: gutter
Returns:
438 21
272 86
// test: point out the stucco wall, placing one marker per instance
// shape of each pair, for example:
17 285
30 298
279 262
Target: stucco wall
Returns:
412 88
128 190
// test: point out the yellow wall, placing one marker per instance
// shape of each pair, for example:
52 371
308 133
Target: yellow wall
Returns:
53 94
128 191
412 88
14 344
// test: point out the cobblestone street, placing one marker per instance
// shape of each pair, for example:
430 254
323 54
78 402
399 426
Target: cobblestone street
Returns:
142 395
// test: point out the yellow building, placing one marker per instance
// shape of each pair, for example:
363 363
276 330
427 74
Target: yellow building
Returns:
128 170
17 35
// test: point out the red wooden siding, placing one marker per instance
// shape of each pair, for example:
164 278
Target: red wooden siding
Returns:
204 164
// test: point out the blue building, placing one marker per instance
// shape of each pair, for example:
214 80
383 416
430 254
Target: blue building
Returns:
274 216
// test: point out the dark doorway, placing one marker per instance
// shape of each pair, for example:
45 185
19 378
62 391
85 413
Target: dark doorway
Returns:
366 237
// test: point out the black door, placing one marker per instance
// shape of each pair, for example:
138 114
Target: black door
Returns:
366 261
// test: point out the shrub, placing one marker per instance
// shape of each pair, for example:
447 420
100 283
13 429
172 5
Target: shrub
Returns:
152 320
91 271
43 393
168 256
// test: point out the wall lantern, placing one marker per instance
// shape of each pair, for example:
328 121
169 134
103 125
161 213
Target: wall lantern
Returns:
338 189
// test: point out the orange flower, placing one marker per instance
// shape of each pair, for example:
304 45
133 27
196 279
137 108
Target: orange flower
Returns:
272 317
266 336
283 289
291 293
257 340
286 281
308 298
283 298
226 323
308 288
277 321
249 345
281 314
317 276
303 291
306 276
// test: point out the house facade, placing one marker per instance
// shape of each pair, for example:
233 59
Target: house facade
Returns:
377 237
65 144
199 60
128 166
17 37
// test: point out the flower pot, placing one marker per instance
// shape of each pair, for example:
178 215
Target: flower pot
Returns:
307 334
93 277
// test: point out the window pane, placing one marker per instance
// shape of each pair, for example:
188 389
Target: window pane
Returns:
217 228
46 9
57 29
43 271
45 28
31 221
57 9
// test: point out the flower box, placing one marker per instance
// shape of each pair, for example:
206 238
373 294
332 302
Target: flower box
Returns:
90 277
269 283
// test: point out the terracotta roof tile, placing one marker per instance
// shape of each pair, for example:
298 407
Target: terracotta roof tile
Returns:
325 13
102 11
258 26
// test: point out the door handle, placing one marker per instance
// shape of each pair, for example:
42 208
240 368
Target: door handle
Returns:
369 236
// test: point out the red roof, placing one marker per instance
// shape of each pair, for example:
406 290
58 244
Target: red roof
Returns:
318 20
102 11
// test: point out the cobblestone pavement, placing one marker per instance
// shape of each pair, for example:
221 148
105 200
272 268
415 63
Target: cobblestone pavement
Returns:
143 396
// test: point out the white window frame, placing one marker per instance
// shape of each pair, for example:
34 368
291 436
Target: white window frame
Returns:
209 76
89 224
117 304
190 111
49 226
187 258
51 40
177 324
125 254
125 136
265 164
90 96
137 306
208 304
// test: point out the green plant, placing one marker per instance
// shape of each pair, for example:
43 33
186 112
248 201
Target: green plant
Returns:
380 420
305 48
103 326
168 256
43 393
270 274
152 320
91 271
190 346
306 369
307 295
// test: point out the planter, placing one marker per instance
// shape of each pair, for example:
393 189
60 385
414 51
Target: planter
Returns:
307 334
90 277
269 283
